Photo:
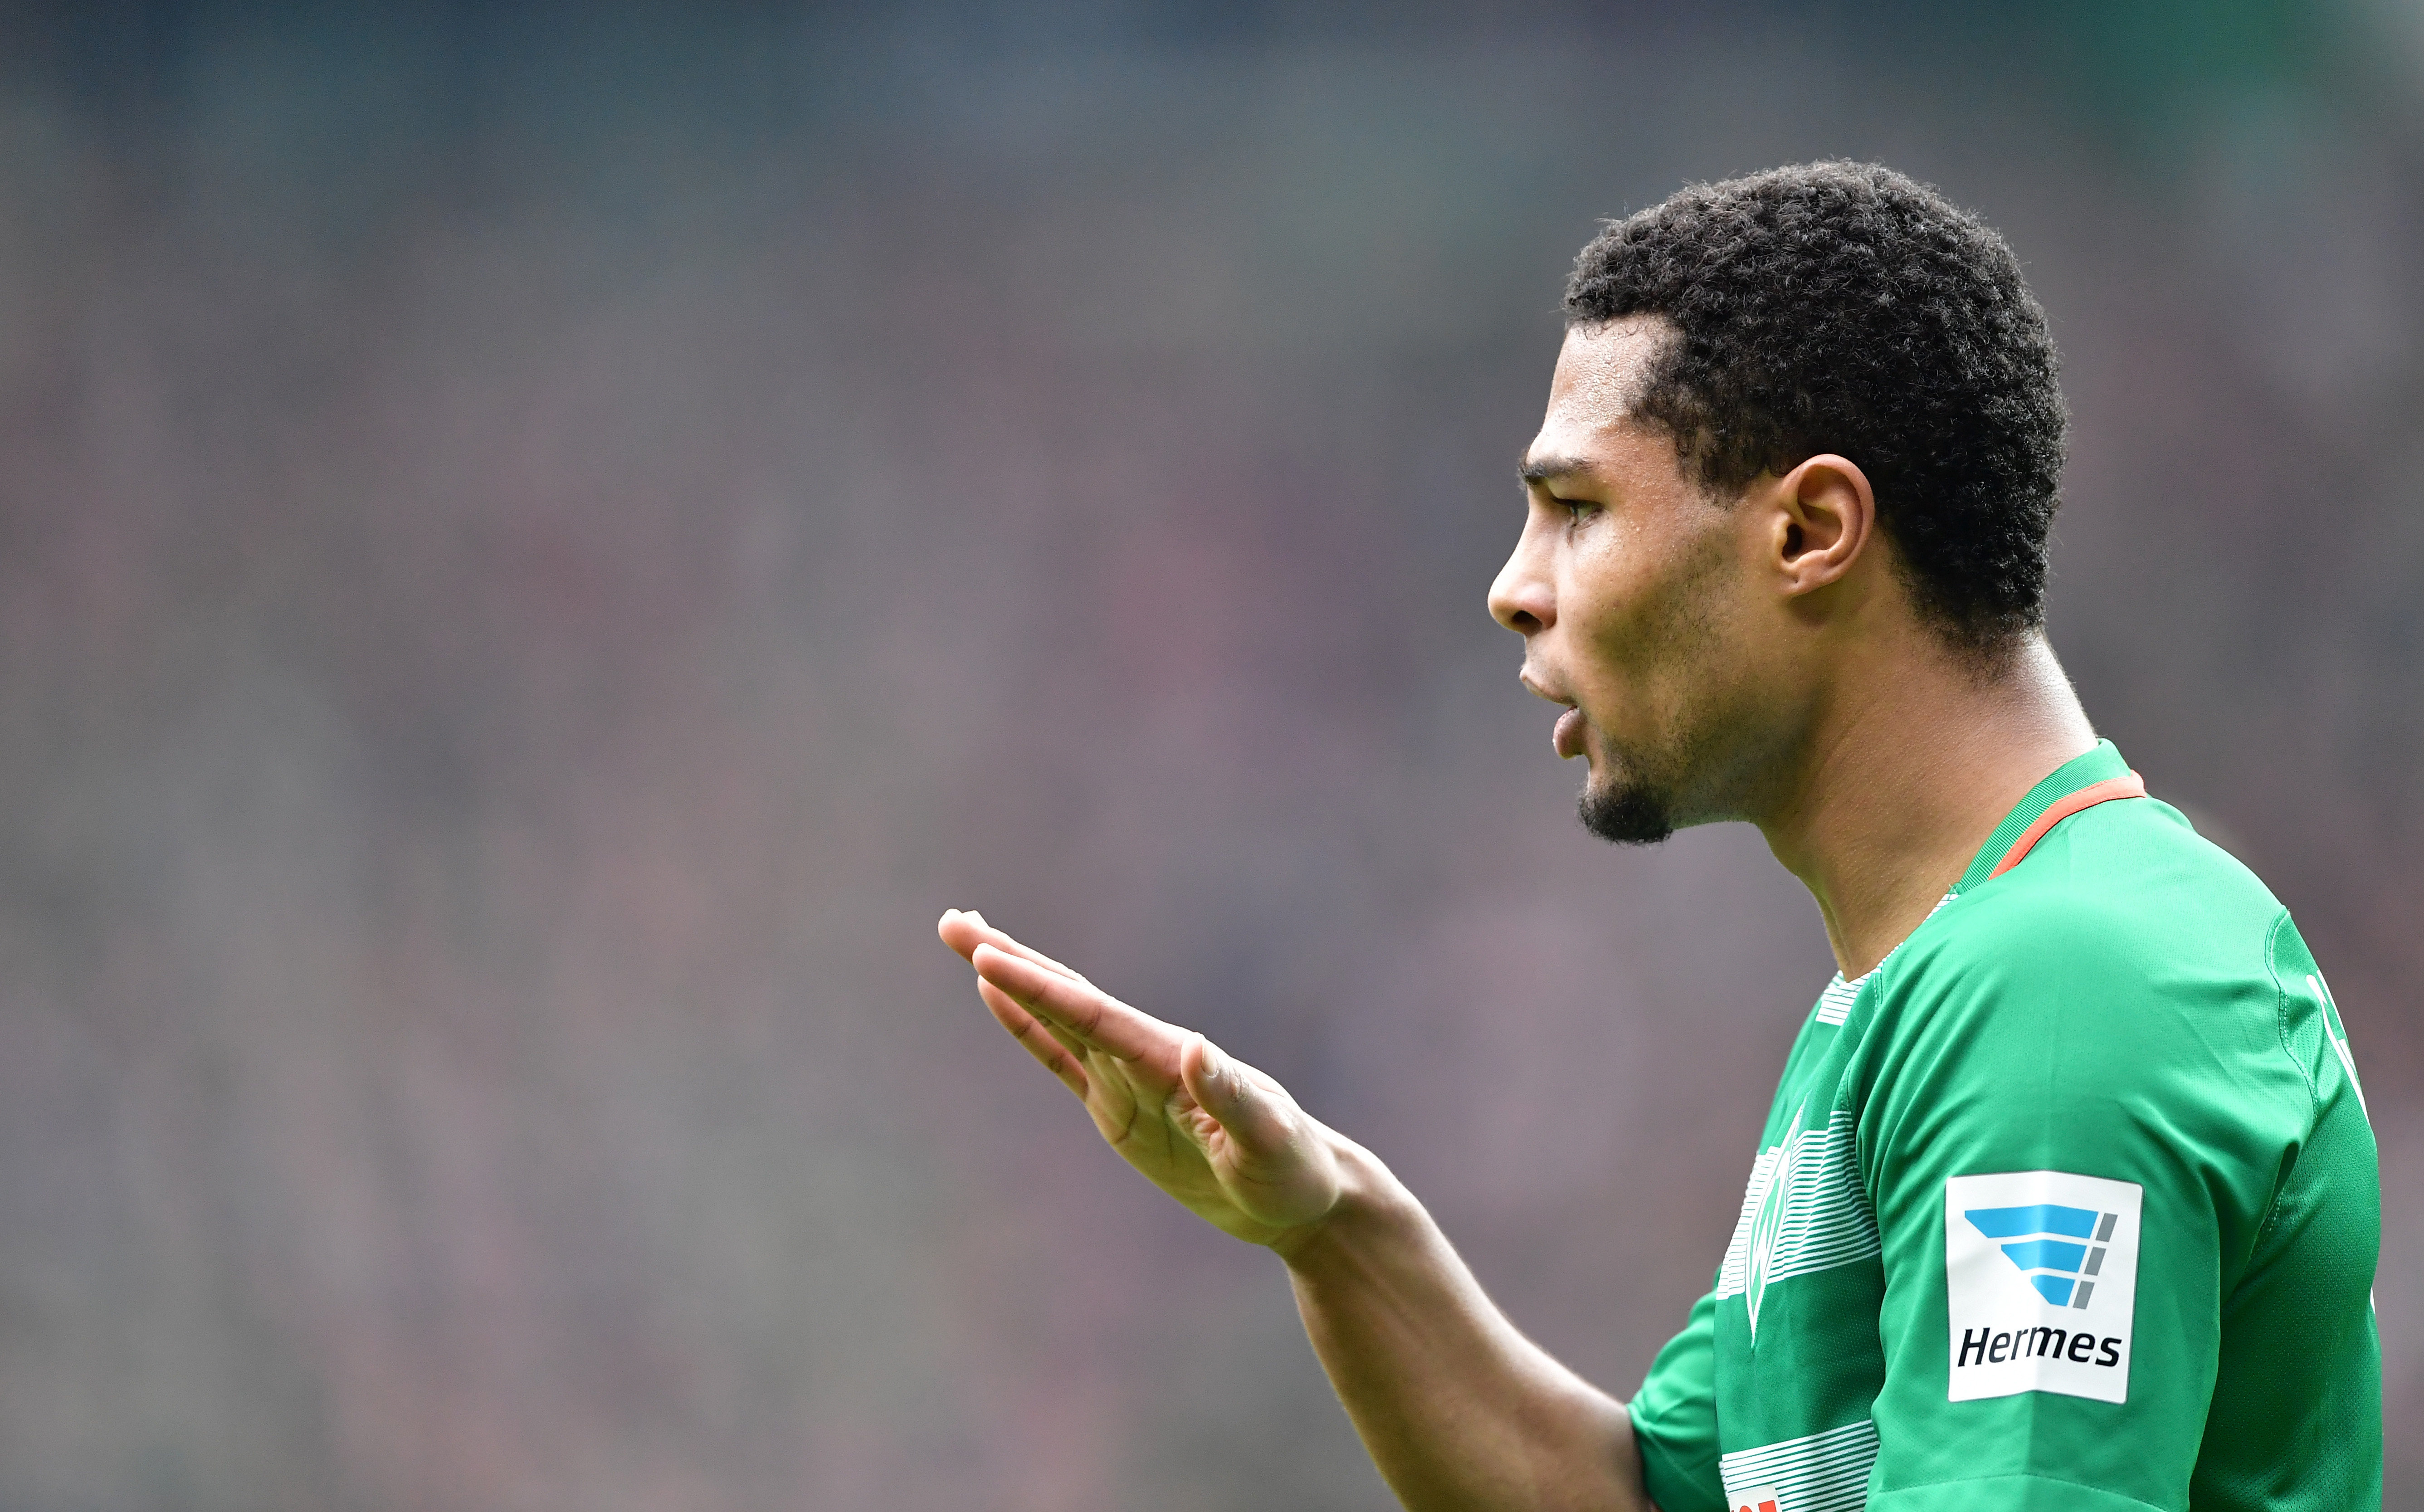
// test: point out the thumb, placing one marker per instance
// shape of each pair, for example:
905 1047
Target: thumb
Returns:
1249 1108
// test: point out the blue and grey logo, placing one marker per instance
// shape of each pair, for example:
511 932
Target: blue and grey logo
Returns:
2058 1248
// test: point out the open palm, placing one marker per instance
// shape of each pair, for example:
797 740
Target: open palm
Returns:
1223 1138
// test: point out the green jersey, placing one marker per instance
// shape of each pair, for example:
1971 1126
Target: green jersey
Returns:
2071 1203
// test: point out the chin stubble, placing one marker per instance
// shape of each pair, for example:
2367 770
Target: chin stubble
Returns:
1629 814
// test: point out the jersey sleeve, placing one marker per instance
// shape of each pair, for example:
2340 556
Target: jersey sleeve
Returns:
2072 1145
1675 1419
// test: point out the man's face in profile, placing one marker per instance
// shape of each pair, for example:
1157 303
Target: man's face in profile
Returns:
1627 586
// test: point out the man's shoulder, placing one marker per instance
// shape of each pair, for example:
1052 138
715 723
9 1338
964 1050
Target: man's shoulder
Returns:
2125 940
2127 885
2125 963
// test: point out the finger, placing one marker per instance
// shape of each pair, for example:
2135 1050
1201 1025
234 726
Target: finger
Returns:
988 993
964 930
1100 1021
1253 1111
1036 1038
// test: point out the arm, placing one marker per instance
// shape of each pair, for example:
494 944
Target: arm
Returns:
2065 1067
1457 1409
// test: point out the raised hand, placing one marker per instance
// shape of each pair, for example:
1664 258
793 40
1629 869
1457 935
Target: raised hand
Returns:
1223 1138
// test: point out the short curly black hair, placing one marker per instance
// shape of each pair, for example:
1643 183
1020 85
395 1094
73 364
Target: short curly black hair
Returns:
1842 306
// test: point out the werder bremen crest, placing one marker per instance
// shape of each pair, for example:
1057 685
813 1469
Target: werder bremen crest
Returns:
1768 1223
1803 1210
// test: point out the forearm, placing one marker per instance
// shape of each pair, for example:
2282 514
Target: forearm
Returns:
1457 1409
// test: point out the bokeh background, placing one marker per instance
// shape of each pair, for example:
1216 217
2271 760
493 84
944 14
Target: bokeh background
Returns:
541 544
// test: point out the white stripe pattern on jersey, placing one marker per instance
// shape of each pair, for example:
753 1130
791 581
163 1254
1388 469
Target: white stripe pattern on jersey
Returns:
1824 1472
1827 1220
1835 1003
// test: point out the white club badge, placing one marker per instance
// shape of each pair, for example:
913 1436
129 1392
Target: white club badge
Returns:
1769 1223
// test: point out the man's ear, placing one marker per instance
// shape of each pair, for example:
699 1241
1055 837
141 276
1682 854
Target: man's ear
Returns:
1825 517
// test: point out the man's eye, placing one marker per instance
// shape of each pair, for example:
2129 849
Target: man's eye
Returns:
1577 510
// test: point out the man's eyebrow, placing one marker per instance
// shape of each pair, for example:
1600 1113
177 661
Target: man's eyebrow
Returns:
1541 468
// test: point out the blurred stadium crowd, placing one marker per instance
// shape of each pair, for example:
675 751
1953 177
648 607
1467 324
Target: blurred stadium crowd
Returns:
540 545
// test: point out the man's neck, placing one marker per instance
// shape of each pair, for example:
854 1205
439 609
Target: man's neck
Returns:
1907 772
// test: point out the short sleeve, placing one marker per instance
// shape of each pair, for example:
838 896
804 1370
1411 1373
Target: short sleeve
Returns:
1675 1419
2072 1146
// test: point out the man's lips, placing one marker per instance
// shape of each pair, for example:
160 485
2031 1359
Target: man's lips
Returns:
1568 735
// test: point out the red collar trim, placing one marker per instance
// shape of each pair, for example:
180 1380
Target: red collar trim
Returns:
2132 786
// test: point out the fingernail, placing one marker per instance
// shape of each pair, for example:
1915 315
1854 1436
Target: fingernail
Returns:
1216 1065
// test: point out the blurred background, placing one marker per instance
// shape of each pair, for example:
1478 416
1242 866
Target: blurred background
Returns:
541 544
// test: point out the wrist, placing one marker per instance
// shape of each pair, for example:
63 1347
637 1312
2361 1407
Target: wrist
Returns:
1369 1198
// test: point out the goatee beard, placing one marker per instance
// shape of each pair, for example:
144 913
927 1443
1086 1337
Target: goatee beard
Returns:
1630 814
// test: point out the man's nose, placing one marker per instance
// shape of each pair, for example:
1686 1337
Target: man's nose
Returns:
1522 597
